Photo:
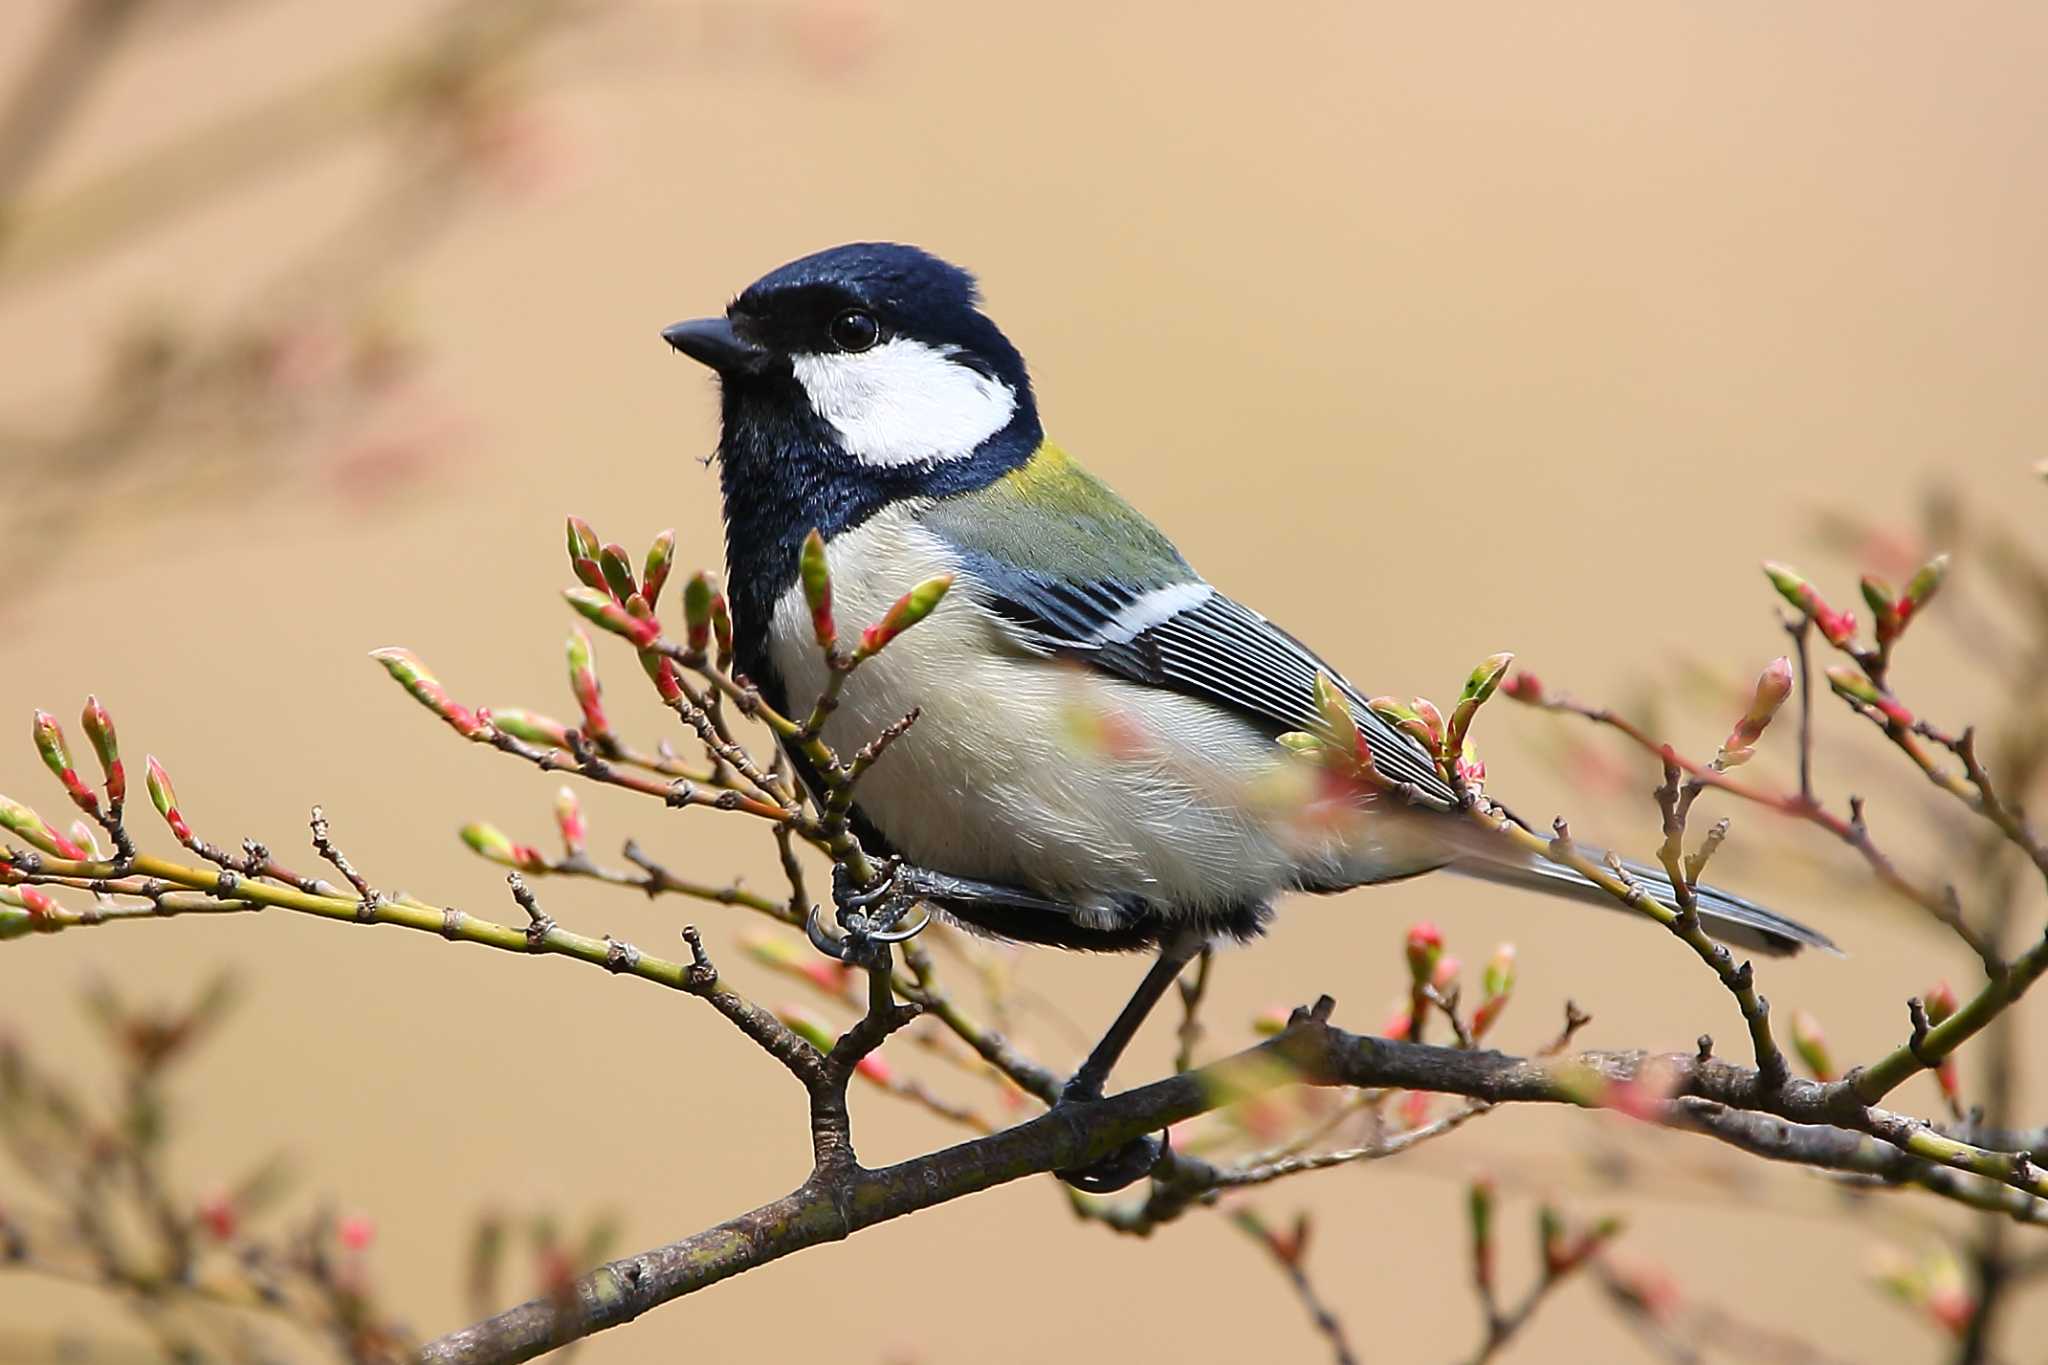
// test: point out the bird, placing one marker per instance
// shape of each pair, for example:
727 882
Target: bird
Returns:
1096 752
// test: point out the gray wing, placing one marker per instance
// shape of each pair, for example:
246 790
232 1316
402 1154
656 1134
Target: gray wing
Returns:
1189 638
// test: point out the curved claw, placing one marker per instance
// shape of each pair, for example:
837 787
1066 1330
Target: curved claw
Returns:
822 939
1125 1166
902 935
881 888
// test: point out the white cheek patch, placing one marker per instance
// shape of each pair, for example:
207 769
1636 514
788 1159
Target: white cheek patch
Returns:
904 402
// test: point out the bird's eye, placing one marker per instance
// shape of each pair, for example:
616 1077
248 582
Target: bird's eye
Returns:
854 330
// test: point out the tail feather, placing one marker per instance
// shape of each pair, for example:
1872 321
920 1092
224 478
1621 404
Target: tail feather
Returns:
1728 917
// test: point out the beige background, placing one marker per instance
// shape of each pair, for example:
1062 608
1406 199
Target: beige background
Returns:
1432 330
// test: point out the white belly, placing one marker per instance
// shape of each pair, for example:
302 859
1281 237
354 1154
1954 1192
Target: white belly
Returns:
1028 771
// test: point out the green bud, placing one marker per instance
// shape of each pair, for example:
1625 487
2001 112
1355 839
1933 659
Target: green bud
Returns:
816 574
582 540
661 557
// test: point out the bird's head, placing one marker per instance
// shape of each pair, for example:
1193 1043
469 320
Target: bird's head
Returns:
865 364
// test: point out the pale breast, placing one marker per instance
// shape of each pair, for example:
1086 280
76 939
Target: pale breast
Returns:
1026 770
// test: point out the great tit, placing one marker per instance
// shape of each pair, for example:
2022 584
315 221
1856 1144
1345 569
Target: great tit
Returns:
1094 764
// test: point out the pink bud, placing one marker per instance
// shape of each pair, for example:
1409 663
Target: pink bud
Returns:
1424 946
356 1232
1773 686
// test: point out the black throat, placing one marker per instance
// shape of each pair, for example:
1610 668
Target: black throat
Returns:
783 473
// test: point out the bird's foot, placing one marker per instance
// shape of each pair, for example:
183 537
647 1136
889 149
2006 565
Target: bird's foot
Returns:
1126 1165
870 917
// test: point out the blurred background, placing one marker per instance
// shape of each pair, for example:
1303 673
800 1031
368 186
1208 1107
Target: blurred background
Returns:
1430 332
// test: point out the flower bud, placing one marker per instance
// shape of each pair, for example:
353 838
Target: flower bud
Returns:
1836 627
661 557
721 628
582 540
1773 686
1424 947
531 726
490 843
583 683
426 689
1497 984
165 798
569 820
99 729
1478 689
56 755
697 595
816 574
603 612
618 573
1524 687
907 611
1854 687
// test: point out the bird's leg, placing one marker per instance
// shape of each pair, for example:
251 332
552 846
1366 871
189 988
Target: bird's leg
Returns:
1136 1157
1174 956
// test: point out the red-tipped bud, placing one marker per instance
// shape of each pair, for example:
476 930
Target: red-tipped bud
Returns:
697 595
817 580
1479 1199
1446 974
1525 687
582 541
661 671
1424 947
721 627
30 826
661 557
1836 627
1497 986
590 576
1885 619
99 730
56 754
39 911
531 726
1811 1043
584 684
355 1232
601 611
1773 686
165 798
569 820
489 842
618 573
908 610
1852 686
426 689
1921 589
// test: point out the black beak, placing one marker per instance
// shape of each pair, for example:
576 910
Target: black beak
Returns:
712 342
